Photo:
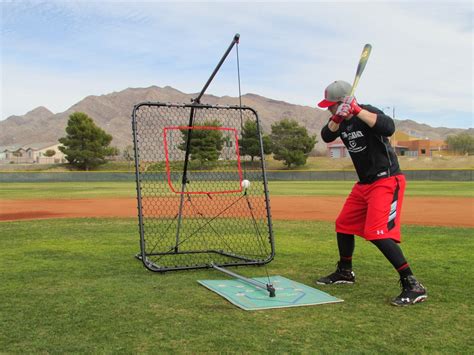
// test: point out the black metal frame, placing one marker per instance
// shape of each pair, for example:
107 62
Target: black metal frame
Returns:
143 256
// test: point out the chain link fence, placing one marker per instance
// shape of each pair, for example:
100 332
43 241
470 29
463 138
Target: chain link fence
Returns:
431 175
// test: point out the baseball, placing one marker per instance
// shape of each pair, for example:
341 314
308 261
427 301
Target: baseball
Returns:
245 184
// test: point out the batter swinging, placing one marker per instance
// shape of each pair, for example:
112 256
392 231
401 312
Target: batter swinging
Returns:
372 209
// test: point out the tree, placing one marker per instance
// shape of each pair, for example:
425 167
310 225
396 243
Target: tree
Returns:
205 144
128 154
50 153
462 143
250 143
113 153
85 145
291 142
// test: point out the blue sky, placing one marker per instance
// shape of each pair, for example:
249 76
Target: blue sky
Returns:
54 54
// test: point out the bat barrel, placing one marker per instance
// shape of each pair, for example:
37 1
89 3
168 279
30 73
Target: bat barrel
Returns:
364 57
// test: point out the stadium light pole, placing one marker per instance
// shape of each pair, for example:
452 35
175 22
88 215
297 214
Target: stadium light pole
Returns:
388 108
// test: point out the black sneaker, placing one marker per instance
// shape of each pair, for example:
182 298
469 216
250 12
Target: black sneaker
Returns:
412 292
340 276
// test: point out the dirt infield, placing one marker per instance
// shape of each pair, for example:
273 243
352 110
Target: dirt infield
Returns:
436 211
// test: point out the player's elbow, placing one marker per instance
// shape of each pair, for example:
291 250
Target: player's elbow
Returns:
384 125
389 130
325 139
328 136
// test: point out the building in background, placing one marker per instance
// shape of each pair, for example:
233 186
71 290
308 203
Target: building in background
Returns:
336 149
407 145
421 148
6 153
40 153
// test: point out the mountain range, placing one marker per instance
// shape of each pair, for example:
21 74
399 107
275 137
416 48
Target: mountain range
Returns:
112 112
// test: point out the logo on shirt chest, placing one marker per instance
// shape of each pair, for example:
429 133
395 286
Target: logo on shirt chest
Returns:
352 135
352 141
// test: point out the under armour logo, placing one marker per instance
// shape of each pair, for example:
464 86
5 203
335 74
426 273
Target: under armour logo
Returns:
380 232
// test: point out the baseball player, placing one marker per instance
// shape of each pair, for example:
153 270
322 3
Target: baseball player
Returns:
372 209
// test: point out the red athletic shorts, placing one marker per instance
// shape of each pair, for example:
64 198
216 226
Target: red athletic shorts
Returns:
372 211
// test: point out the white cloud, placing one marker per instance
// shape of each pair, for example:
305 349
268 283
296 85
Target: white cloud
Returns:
421 60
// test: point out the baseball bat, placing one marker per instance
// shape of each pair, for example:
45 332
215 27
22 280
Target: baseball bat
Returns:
364 57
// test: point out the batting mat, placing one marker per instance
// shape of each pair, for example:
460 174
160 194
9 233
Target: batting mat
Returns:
250 298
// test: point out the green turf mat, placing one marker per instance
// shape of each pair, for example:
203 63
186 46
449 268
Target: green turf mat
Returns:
288 293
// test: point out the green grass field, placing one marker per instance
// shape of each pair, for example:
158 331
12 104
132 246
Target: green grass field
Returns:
69 190
74 286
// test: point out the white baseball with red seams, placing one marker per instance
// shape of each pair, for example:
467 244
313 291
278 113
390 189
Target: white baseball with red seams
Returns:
245 184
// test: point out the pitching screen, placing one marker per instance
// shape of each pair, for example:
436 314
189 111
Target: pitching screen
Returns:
194 208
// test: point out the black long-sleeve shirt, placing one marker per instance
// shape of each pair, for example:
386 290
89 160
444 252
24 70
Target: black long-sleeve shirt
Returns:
370 150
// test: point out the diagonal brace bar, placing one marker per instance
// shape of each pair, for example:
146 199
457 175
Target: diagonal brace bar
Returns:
266 287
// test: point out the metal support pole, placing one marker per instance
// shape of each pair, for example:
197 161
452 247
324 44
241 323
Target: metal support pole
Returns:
184 179
234 41
266 287
196 101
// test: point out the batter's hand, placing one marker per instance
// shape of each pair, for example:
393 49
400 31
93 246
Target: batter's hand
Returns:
344 110
337 119
352 102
